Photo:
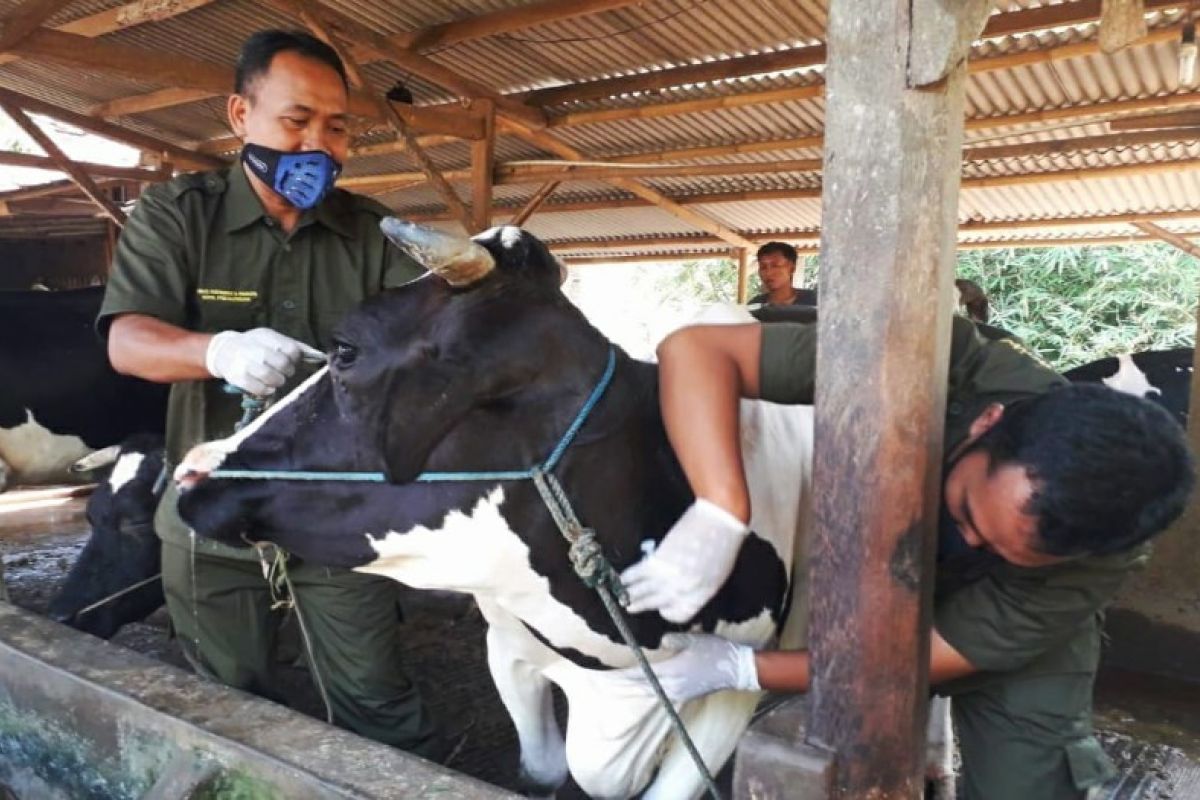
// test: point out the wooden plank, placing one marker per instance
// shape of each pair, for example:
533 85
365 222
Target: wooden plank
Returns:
483 163
121 17
81 178
1178 119
1170 237
895 112
549 143
503 21
655 80
688 106
460 213
105 170
534 203
151 101
1064 14
25 19
1081 143
506 174
180 155
351 30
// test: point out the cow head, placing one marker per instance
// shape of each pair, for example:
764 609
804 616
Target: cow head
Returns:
479 366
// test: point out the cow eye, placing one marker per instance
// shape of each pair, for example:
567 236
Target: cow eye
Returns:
344 354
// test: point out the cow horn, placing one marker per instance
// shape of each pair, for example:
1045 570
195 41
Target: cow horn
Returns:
460 262
97 459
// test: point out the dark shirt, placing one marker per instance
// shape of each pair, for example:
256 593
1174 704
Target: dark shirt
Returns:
804 297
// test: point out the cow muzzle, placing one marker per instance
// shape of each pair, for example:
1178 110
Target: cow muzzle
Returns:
458 261
197 465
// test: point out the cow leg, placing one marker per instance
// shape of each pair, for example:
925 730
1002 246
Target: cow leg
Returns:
715 724
516 661
939 750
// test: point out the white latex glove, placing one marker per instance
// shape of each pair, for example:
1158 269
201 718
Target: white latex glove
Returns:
258 361
689 565
705 664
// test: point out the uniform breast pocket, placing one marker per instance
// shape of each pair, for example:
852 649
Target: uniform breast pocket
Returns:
228 315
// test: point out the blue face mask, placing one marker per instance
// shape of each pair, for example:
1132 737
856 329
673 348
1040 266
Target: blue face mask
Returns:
303 179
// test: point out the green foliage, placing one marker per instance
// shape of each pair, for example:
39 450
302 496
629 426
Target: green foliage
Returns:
1074 305
1071 305
701 281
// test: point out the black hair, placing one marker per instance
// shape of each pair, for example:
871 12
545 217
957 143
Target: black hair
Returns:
783 248
1109 470
261 48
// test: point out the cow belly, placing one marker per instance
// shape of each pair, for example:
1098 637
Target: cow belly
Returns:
34 454
777 456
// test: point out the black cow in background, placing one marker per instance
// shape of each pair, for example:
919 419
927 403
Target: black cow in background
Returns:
1162 376
123 551
59 397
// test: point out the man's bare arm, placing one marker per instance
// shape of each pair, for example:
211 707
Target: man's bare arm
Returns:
703 371
148 348
788 670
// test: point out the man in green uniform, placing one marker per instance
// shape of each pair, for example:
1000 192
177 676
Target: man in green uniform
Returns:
238 276
1050 492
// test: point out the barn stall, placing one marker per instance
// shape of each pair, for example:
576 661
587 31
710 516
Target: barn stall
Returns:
671 130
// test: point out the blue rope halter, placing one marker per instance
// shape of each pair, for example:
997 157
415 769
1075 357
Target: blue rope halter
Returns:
436 477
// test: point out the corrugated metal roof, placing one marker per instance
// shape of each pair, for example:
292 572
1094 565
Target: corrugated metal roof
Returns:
658 35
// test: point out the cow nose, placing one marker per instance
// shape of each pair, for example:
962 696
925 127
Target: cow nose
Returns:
196 466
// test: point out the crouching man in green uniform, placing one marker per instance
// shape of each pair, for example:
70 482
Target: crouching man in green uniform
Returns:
1050 492
238 276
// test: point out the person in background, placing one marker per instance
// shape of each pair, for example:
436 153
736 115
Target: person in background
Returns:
776 271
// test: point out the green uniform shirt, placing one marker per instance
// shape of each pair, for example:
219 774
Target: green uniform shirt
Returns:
199 252
1001 617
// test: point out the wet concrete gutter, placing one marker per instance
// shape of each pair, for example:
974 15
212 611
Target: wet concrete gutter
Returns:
80 717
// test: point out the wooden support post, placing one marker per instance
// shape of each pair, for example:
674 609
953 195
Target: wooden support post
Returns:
895 112
742 256
535 202
458 211
483 169
81 178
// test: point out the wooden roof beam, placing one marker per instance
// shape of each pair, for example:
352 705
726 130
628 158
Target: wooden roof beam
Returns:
534 203
351 30
1179 119
549 143
120 18
1170 237
723 102
179 155
814 56
25 19
504 21
151 101
81 178
103 170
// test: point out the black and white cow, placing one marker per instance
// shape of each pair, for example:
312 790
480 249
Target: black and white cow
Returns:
483 368
61 399
1163 376
123 551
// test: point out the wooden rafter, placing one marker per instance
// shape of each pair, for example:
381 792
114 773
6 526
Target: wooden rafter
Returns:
351 30
1178 119
739 100
25 19
103 170
120 18
503 21
180 155
534 203
1170 237
151 101
547 142
81 178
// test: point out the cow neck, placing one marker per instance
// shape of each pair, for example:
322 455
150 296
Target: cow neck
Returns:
525 473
